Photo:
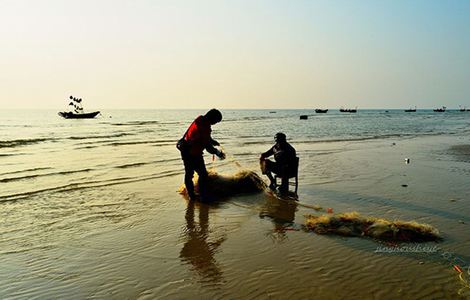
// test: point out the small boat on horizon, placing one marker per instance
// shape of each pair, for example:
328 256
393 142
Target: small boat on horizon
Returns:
321 111
411 109
443 109
463 108
76 110
348 110
71 115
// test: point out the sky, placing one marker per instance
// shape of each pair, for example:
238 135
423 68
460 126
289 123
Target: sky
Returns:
234 54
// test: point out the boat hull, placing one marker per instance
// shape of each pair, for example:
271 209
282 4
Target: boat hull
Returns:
71 115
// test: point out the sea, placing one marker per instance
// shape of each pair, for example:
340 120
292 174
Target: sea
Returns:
42 153
89 208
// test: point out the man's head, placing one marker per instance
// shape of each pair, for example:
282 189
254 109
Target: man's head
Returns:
280 138
214 116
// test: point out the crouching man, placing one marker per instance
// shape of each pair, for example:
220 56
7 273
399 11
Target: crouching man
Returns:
285 159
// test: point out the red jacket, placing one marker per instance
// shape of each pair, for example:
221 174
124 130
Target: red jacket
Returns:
199 137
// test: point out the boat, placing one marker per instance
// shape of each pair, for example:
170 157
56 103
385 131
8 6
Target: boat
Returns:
463 109
443 109
71 115
303 117
411 109
348 110
321 111
76 110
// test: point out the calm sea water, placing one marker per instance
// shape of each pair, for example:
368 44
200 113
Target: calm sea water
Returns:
90 209
43 153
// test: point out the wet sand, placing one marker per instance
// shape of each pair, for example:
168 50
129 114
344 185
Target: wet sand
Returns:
142 240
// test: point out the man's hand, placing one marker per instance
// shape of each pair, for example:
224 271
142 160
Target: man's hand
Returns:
221 154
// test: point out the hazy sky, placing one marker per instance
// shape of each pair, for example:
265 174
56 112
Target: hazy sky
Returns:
234 54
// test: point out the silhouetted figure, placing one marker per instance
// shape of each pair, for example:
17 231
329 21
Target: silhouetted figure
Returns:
201 244
195 140
285 158
281 213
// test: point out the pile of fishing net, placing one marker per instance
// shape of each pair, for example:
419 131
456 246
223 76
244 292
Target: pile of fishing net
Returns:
220 186
353 224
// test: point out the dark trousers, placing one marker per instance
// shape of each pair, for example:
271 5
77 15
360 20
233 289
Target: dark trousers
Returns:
269 166
194 164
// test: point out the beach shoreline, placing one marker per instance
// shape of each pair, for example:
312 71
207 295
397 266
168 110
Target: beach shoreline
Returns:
143 240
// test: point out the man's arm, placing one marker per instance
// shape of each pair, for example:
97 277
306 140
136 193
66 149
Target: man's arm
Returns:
267 153
212 150
214 142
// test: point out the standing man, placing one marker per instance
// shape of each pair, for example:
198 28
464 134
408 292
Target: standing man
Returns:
285 159
195 140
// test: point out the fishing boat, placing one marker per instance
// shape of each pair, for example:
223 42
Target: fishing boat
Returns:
348 110
72 115
76 110
321 111
463 108
411 109
443 109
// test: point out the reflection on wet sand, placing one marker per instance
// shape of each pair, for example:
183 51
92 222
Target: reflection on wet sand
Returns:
199 249
280 211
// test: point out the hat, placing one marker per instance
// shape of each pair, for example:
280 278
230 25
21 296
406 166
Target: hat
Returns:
280 137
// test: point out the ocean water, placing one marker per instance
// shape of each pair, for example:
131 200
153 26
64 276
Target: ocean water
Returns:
90 209
41 152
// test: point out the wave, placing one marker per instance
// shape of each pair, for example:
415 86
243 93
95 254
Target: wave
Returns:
345 139
355 139
157 142
132 165
99 136
116 143
138 164
88 185
136 123
21 142
26 177
26 170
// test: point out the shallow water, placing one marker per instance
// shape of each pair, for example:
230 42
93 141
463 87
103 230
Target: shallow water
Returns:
89 208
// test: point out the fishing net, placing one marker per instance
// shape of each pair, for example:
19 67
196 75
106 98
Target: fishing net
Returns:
242 182
353 224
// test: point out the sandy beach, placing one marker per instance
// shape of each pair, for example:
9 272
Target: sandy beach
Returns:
142 240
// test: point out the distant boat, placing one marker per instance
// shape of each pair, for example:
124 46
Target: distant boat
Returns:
443 109
71 115
463 109
321 111
303 117
348 110
76 110
411 109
